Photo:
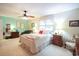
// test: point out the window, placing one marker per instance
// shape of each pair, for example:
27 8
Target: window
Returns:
46 25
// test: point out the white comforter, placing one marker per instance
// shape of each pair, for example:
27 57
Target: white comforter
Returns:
35 42
38 43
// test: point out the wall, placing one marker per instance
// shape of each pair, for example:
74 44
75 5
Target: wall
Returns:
1 30
48 27
61 23
19 24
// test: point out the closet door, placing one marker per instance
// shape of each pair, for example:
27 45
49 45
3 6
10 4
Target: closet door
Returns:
1 30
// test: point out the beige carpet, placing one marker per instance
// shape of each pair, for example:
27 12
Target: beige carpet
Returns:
11 47
53 50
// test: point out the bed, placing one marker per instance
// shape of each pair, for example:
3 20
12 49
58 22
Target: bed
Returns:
35 42
41 44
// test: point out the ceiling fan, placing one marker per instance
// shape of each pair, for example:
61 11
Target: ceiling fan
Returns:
27 16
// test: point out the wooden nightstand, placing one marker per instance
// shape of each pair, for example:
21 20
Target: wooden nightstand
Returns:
57 40
14 34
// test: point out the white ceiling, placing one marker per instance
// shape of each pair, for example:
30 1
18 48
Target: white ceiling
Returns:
36 9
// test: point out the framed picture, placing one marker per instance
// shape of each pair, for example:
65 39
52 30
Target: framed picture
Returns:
74 23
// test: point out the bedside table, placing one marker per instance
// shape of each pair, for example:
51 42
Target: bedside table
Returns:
57 40
14 34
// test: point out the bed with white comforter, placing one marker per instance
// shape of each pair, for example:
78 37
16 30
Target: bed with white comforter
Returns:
40 43
35 42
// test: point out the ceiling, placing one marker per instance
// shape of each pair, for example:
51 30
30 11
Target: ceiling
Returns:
36 9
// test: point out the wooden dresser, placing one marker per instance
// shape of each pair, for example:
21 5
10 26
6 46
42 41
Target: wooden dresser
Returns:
57 40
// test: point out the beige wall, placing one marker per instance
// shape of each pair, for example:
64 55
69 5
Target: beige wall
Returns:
61 22
1 30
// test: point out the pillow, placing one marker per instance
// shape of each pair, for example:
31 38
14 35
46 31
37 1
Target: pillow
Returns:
40 32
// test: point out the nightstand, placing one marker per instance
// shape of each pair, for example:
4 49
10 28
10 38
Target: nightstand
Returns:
57 40
14 34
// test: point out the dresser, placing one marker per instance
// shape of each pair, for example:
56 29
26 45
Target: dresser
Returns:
57 40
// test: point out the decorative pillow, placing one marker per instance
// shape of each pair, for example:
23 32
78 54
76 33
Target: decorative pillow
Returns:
41 32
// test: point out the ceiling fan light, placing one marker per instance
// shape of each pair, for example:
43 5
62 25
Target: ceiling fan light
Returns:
25 18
